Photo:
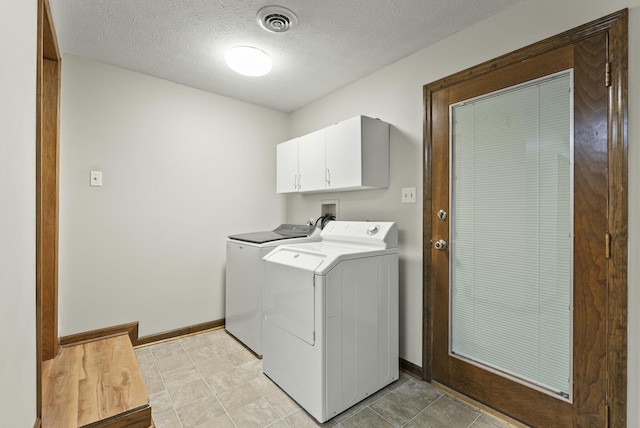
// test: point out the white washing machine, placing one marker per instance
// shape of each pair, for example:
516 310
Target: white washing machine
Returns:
244 278
331 316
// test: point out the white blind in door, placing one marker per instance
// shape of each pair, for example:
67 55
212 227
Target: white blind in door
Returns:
512 232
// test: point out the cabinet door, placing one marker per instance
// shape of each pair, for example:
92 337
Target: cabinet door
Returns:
311 161
344 154
287 166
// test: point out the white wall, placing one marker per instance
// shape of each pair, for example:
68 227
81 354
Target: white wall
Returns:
182 169
394 94
17 213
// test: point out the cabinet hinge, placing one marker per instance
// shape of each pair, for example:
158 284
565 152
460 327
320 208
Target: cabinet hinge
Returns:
607 74
607 245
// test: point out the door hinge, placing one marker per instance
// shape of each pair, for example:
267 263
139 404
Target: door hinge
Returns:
607 74
607 245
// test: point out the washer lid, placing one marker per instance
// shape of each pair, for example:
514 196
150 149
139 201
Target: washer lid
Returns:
284 231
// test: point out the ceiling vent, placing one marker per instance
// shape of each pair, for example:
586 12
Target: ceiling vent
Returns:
276 19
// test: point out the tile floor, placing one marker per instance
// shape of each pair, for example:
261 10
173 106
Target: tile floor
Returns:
210 380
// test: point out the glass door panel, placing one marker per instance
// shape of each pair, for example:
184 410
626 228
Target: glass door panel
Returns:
512 232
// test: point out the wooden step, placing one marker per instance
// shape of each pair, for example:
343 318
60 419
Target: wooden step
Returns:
95 384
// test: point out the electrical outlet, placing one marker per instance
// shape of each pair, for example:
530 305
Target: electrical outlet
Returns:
408 195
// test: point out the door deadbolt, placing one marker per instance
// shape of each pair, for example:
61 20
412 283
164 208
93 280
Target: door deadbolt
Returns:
442 215
440 244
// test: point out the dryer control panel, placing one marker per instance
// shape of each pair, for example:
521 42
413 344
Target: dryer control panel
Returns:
371 233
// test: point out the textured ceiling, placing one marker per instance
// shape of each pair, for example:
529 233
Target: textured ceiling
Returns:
335 43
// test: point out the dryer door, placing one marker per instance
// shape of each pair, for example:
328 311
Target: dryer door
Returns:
289 292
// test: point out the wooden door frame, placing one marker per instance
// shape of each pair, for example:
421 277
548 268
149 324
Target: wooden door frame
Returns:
47 192
616 25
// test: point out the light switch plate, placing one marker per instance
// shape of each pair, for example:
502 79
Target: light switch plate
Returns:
408 195
96 178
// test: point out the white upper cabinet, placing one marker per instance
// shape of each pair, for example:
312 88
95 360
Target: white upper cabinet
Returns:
287 170
344 154
350 155
357 154
311 148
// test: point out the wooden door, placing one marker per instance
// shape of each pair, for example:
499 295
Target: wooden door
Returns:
48 74
47 187
589 403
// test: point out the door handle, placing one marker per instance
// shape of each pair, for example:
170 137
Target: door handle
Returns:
440 244
327 176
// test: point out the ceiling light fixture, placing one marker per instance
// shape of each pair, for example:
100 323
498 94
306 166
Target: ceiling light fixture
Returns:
248 61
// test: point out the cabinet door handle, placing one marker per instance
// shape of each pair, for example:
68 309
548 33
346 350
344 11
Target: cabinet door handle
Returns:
299 181
295 181
327 176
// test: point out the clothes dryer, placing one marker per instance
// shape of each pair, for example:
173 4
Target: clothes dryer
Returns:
331 316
